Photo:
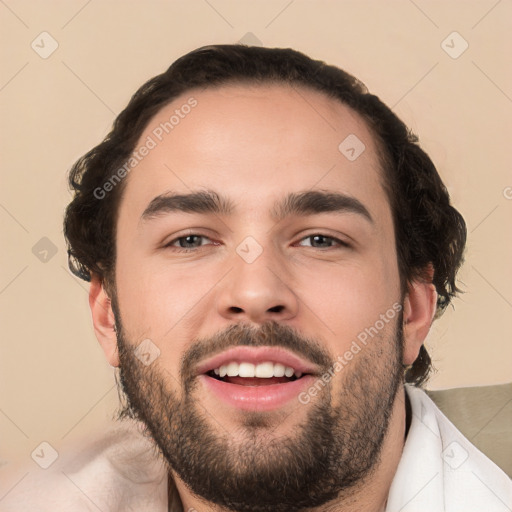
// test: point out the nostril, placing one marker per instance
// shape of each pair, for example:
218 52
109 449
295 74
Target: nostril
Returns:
276 309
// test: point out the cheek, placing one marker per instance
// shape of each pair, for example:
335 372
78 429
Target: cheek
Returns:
353 302
156 298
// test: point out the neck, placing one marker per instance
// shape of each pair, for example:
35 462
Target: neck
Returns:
369 495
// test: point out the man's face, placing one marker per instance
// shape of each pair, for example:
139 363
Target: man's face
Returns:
259 288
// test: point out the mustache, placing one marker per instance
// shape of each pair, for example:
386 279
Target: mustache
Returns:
270 334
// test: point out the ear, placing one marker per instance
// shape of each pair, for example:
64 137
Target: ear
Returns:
103 319
419 310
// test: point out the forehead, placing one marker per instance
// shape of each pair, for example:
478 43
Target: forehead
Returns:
254 142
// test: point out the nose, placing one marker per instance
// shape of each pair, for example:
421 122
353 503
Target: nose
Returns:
258 291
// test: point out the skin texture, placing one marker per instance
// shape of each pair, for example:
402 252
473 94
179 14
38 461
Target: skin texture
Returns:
254 145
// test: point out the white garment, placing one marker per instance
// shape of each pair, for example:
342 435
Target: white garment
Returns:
118 471
440 471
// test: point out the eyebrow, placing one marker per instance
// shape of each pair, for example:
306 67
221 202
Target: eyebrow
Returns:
196 202
318 201
295 203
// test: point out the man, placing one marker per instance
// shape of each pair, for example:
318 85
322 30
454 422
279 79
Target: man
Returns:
267 247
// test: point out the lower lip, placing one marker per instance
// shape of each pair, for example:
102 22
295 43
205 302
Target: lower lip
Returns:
257 398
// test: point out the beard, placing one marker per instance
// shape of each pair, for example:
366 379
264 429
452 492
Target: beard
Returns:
327 456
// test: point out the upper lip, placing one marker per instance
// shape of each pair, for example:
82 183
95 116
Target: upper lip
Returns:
256 355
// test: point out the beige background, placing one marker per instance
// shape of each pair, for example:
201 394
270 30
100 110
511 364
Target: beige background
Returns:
54 381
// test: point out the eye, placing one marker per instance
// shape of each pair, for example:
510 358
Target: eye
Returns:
320 241
187 243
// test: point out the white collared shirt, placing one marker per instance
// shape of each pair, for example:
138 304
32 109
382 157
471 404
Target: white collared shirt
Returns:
441 471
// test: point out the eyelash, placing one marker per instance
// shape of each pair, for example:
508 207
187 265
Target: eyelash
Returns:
194 249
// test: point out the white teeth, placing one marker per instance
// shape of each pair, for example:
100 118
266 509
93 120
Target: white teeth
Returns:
278 370
232 370
264 370
246 370
289 371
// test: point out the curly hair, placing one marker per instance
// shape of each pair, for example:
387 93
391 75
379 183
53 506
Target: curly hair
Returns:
430 233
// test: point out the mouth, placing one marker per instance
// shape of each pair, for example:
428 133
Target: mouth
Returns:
249 374
256 378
